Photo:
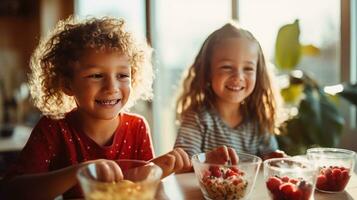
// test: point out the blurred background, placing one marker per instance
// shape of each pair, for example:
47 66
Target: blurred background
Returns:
176 29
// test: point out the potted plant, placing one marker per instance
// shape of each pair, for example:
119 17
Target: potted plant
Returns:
314 119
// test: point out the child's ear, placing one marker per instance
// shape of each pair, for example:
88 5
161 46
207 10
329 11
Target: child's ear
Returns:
66 86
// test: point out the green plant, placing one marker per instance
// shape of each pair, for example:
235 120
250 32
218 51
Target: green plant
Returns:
317 121
347 90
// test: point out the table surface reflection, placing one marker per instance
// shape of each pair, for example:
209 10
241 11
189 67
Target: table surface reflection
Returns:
185 186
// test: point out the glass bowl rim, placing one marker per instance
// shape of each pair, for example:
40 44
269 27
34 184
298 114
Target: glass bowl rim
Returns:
83 168
310 167
255 160
345 153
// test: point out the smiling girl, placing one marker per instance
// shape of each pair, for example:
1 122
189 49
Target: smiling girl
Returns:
227 97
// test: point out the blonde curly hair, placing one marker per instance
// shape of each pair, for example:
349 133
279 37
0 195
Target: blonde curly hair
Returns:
196 94
52 60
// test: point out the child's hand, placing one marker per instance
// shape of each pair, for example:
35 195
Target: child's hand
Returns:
108 170
222 155
274 154
176 160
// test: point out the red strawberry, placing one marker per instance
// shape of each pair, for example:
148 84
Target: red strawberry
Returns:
273 183
297 195
345 173
336 172
231 173
237 170
328 173
287 189
294 181
321 182
216 172
344 180
285 179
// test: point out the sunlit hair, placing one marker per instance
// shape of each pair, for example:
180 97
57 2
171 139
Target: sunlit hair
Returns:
197 93
53 60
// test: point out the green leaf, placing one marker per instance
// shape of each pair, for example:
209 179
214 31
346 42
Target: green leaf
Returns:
349 92
318 123
287 46
293 93
310 50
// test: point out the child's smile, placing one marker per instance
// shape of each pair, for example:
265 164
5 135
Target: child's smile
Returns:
101 83
108 103
234 66
234 88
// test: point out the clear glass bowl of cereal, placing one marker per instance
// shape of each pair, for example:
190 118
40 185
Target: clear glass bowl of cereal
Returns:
334 168
289 178
226 181
141 180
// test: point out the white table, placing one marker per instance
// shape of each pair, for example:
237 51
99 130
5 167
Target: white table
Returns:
185 186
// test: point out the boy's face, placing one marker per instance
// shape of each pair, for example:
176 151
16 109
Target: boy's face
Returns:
233 70
101 84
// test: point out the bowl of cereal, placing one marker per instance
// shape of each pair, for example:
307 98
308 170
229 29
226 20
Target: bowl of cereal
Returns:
226 181
334 168
289 178
140 181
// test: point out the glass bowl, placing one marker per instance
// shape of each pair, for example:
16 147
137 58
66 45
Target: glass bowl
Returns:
140 181
226 181
334 168
289 178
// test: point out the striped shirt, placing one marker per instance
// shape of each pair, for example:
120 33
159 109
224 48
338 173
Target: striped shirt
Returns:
205 130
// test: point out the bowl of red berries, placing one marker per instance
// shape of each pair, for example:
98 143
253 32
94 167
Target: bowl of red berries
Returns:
334 168
226 181
289 178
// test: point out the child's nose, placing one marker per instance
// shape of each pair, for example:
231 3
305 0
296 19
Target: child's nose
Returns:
112 85
238 74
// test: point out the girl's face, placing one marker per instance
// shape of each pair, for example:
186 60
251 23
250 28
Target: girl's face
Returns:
101 84
234 69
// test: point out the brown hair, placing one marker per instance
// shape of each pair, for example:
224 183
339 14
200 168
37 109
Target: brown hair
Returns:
52 61
197 94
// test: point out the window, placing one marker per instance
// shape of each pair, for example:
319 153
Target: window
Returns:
319 25
179 29
132 11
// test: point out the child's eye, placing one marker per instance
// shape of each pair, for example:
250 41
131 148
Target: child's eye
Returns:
122 76
95 76
249 68
226 67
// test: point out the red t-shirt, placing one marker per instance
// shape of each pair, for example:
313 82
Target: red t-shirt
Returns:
56 144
